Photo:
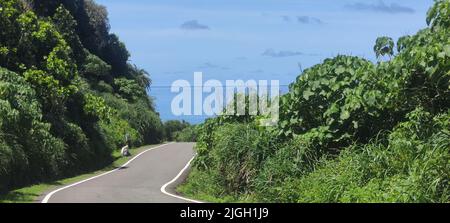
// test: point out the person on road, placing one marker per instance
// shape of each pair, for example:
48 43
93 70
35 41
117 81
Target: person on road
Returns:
126 149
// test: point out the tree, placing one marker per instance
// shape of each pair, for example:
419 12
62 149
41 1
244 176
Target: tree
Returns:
96 68
439 15
27 149
116 54
129 89
67 25
142 76
403 42
173 126
384 46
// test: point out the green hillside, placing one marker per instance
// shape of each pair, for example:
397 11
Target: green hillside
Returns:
68 95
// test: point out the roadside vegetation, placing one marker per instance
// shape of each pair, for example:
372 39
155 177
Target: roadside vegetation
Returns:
180 131
68 95
350 130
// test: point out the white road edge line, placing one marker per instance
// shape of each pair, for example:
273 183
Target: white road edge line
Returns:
49 195
163 188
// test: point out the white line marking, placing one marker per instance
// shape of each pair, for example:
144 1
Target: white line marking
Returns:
163 188
47 198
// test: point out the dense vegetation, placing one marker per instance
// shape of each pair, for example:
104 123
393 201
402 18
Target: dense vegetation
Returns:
68 95
180 131
350 131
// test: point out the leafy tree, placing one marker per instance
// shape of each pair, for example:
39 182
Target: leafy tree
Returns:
188 134
384 46
129 89
96 68
67 25
403 42
116 54
438 16
141 76
29 150
173 126
98 21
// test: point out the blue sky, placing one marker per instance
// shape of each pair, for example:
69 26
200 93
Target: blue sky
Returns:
252 39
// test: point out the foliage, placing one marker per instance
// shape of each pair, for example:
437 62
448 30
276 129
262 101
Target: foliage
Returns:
116 54
28 150
129 89
188 134
95 67
139 116
438 16
62 80
115 131
66 25
172 127
235 156
412 167
349 131
96 107
384 46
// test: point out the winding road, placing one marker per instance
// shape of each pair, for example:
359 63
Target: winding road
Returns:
150 177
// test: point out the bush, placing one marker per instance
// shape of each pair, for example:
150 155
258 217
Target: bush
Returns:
94 67
129 89
172 127
236 155
115 131
189 134
36 154
139 117
292 160
207 186
412 167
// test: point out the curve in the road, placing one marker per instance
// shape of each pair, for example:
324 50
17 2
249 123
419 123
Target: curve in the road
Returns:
137 181
164 187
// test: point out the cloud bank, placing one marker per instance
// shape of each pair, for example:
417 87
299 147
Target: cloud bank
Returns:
194 25
381 7
303 19
309 20
209 65
278 54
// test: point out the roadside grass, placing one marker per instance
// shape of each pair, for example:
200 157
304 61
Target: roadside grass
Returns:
202 186
32 193
198 188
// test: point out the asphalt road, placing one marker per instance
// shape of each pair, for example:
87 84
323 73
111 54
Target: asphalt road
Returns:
138 182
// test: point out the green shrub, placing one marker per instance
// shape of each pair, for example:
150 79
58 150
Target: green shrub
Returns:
95 67
294 159
129 89
238 153
115 131
172 127
37 154
188 134
206 185
102 86
412 167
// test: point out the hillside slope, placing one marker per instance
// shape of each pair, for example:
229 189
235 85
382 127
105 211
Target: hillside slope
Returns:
68 96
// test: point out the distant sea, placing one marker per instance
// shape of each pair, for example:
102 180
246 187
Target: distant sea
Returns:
162 96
